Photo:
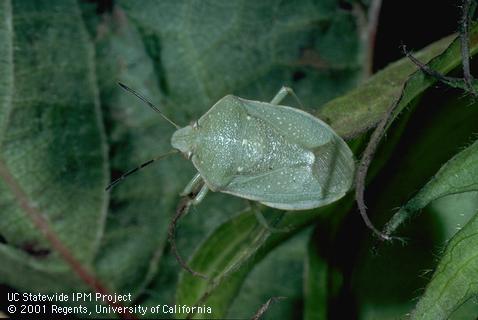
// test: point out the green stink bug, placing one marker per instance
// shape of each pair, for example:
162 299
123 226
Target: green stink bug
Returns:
279 156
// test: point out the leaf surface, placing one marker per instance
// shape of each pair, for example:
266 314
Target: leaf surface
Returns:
458 175
361 109
218 298
454 281
51 140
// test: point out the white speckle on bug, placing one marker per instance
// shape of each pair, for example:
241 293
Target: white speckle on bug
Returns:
248 117
310 157
239 169
244 142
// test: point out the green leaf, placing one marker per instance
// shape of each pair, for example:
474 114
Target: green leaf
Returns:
317 275
20 271
462 206
458 175
51 141
415 86
183 56
361 109
323 279
243 242
404 168
243 236
205 50
454 281
408 169
279 274
137 216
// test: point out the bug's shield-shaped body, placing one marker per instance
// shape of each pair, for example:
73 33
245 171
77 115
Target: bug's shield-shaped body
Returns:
277 155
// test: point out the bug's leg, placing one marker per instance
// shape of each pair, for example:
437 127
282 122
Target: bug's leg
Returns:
259 313
200 195
263 221
283 92
182 209
193 197
192 185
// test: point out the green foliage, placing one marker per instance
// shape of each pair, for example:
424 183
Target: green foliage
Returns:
361 108
454 280
66 128
459 175
52 140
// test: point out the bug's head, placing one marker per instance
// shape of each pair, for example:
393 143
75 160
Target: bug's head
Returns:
183 140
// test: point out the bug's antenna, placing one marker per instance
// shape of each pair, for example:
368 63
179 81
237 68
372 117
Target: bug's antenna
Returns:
150 104
147 163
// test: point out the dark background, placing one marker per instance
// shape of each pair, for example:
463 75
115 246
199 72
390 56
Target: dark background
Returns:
413 24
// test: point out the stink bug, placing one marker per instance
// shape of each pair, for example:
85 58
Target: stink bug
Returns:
279 156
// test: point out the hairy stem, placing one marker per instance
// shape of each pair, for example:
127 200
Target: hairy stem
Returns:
364 164
468 10
367 25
